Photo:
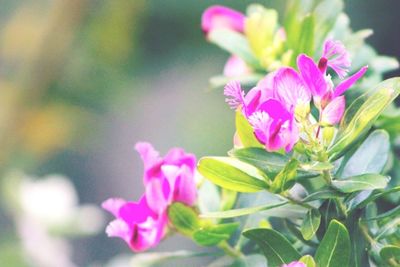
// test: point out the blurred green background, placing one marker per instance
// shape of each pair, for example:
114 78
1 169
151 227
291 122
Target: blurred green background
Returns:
81 81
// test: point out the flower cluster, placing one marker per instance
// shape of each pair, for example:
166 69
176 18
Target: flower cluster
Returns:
170 179
281 101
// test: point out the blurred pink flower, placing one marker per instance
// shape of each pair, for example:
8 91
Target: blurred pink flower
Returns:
222 17
295 264
235 66
170 179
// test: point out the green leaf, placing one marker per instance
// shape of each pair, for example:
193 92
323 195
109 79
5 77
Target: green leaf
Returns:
391 254
334 249
361 182
375 195
228 199
245 131
390 213
361 115
306 39
235 43
308 261
214 234
232 174
243 211
310 224
271 163
370 157
183 218
285 178
323 194
276 248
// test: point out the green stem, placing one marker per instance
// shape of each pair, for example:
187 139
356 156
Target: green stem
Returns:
234 253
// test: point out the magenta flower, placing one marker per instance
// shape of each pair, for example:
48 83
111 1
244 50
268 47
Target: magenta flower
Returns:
138 225
170 179
336 56
269 108
295 264
222 17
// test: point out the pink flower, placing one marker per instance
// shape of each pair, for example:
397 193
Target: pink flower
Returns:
235 66
170 179
139 226
269 107
295 264
222 17
328 99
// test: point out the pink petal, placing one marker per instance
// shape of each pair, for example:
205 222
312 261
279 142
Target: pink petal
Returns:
312 76
119 228
136 212
234 94
235 66
157 195
185 187
334 111
216 17
346 84
113 205
337 56
178 157
295 264
289 88
151 160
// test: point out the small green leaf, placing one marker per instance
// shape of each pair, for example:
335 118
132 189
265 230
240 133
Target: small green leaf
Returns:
245 131
391 254
310 224
183 218
323 194
242 212
214 234
235 43
285 178
232 174
361 182
276 248
361 115
228 199
334 249
308 261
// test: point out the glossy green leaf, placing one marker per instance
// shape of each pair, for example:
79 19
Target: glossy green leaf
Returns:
242 211
285 178
370 157
214 234
308 261
375 195
276 248
232 174
391 255
245 131
235 43
362 113
323 194
310 224
183 218
334 249
361 182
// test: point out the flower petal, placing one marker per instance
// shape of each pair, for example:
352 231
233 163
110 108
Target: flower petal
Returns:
216 17
334 111
235 66
312 76
234 94
346 84
113 205
337 56
185 187
289 88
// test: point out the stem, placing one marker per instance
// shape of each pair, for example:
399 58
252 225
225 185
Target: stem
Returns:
234 253
365 233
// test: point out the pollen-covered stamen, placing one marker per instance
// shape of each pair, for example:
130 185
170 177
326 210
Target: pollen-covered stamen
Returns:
337 56
234 94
